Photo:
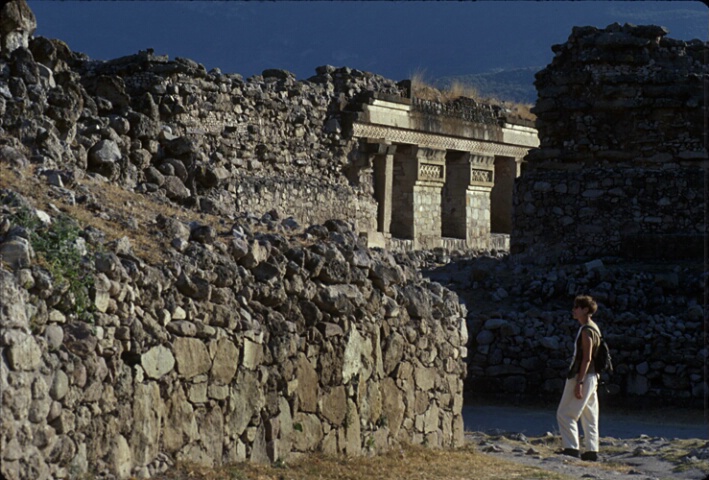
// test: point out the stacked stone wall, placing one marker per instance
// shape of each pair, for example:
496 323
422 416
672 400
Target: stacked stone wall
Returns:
622 155
252 348
227 346
602 211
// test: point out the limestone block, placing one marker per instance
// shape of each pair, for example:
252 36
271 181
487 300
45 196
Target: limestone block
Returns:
329 443
157 361
17 24
392 405
218 392
211 434
147 419
370 401
421 402
16 253
285 427
54 335
257 252
308 389
225 363
259 448
184 328
380 440
246 400
65 422
191 356
356 349
39 409
353 436
393 352
195 454
25 354
178 313
197 392
334 405
180 424
307 432
252 354
425 378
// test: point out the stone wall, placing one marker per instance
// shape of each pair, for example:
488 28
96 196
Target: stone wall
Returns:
261 341
649 318
521 329
252 347
622 157
560 216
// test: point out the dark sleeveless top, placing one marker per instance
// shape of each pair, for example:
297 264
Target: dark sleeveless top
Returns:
595 332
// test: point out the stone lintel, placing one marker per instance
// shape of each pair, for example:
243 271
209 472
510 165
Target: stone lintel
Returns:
520 135
441 142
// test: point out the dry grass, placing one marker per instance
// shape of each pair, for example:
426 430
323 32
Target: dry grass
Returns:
421 88
407 463
114 211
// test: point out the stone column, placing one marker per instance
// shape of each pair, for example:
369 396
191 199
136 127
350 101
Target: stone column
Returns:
383 185
380 160
427 197
482 178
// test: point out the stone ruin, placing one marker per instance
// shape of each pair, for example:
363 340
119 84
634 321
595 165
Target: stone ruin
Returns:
620 174
621 169
271 340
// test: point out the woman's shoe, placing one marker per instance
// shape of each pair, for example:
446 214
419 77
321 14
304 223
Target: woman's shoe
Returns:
590 456
571 452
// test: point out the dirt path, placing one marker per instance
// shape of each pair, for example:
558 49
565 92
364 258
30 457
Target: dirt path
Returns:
643 458
649 444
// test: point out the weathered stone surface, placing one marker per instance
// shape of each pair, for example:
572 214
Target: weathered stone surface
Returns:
225 363
356 349
252 354
334 406
307 432
191 356
147 419
25 354
157 362
16 252
17 24
180 423
307 389
245 401
392 405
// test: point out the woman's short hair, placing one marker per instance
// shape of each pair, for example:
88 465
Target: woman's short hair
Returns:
586 301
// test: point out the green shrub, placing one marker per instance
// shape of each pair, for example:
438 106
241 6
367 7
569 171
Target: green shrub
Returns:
58 246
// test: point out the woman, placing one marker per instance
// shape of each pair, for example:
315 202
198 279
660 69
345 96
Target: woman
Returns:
580 400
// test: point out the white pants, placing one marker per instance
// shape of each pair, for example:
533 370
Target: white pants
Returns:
572 409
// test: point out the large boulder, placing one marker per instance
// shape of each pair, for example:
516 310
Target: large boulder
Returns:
17 24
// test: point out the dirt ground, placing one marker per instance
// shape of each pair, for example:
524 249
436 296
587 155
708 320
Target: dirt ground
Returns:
642 458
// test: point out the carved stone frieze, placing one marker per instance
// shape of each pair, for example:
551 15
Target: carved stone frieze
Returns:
478 176
429 140
430 171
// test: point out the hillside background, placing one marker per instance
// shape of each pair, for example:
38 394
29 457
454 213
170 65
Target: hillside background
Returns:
496 46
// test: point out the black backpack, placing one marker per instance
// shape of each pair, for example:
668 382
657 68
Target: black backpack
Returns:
602 361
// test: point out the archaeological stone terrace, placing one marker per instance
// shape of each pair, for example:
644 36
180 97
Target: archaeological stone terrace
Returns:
241 312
